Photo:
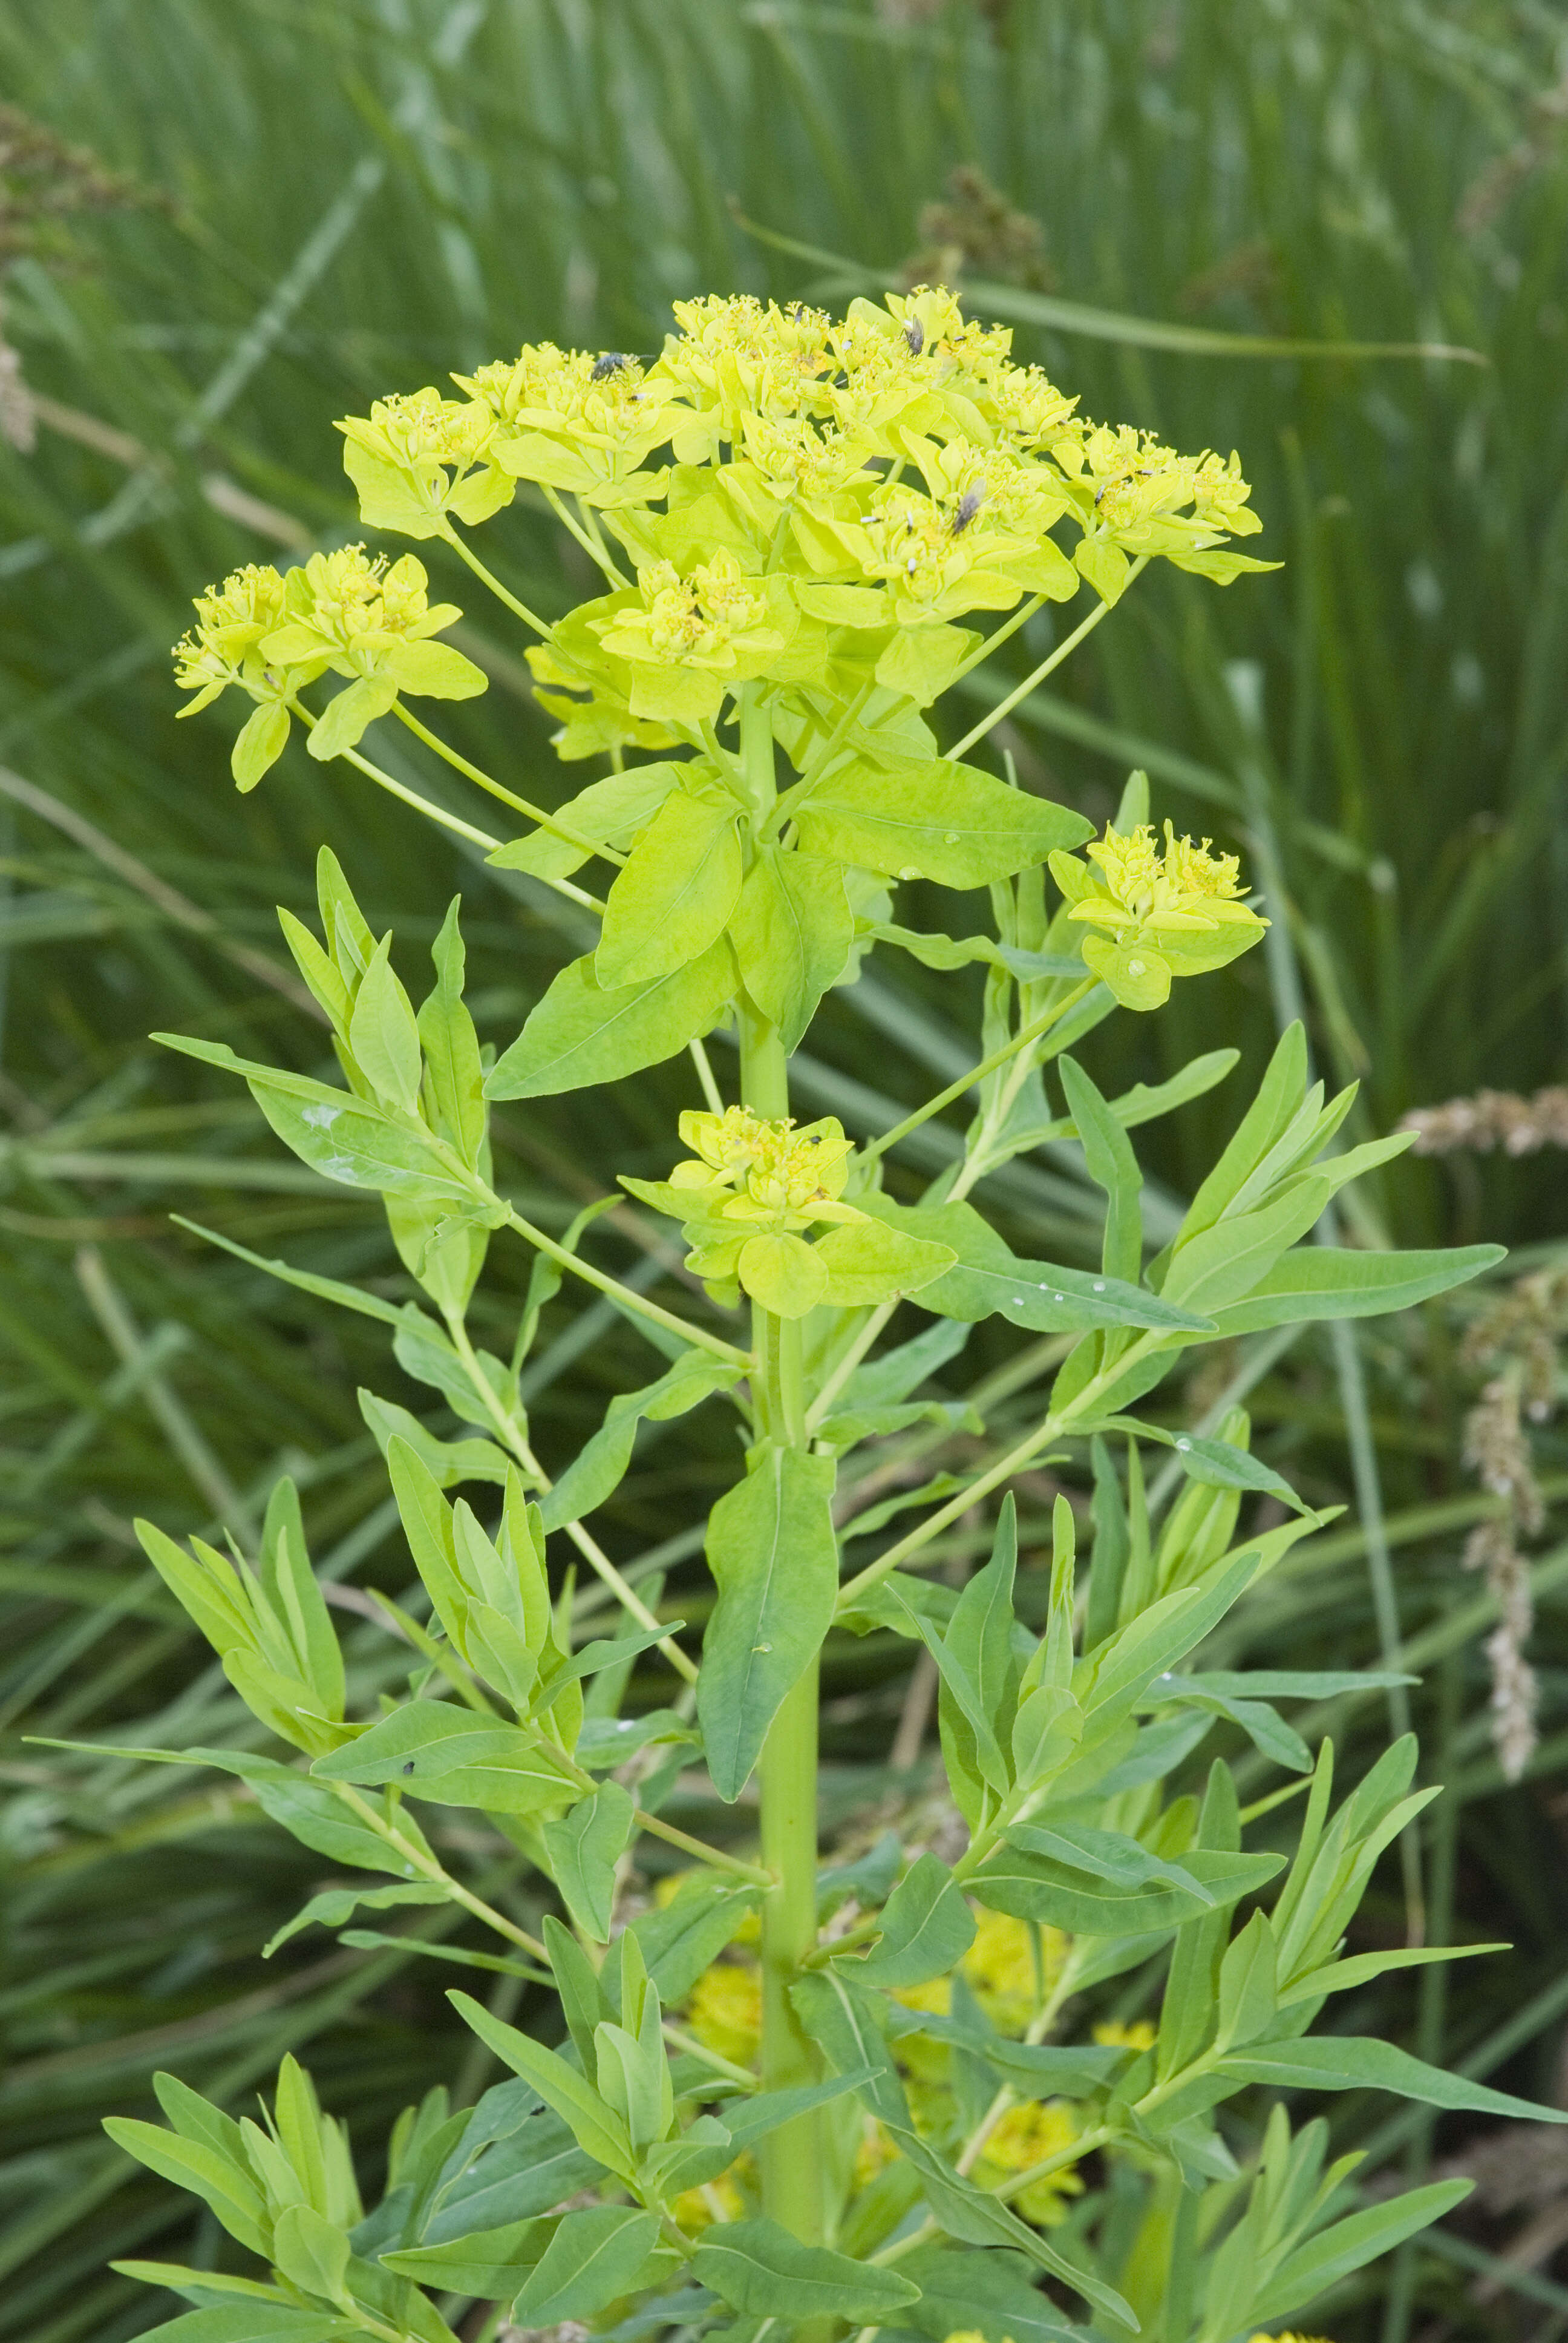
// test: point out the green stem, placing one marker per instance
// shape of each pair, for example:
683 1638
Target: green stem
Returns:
713 1855
1037 676
488 578
595 552
511 1437
1050 1428
483 781
793 2159
624 1295
1032 1033
438 814
413 1859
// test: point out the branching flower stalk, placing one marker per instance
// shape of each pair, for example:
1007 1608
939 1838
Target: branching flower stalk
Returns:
818 2102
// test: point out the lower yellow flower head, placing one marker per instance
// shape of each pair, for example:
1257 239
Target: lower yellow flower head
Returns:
1163 914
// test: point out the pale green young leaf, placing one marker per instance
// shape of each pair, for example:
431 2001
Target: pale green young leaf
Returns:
784 1273
792 928
251 2322
581 1033
348 714
607 813
583 1847
383 1034
493 2263
432 1750
449 1462
920 662
867 1261
434 672
336 1905
920 818
263 737
290 1587
1112 1166
927 1928
451 1046
308 2250
220 2181
775 1561
673 897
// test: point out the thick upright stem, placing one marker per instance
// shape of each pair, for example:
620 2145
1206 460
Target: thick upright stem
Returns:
792 2156
792 2159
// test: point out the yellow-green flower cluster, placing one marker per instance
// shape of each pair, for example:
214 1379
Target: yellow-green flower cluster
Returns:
1160 915
755 1186
344 612
768 452
746 1198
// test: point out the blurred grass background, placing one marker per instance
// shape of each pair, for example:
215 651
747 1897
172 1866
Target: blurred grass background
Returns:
299 205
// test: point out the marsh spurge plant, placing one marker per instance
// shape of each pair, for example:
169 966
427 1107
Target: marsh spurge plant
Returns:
793 516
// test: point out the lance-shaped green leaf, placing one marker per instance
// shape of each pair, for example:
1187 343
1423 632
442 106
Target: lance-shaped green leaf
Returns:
981 2219
581 1033
763 2272
673 897
1112 1166
791 929
336 1906
931 818
883 1382
346 1138
775 1560
685 1936
600 1464
594 2256
310 2251
927 1929
223 2180
262 738
1264 1725
1347 2063
992 2293
448 1463
596 2128
844 2022
311 1811
1321 1282
250 2322
868 1262
1033 1885
583 1847
608 813
383 1034
1355 2241
987 1277
433 1750
494 2264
